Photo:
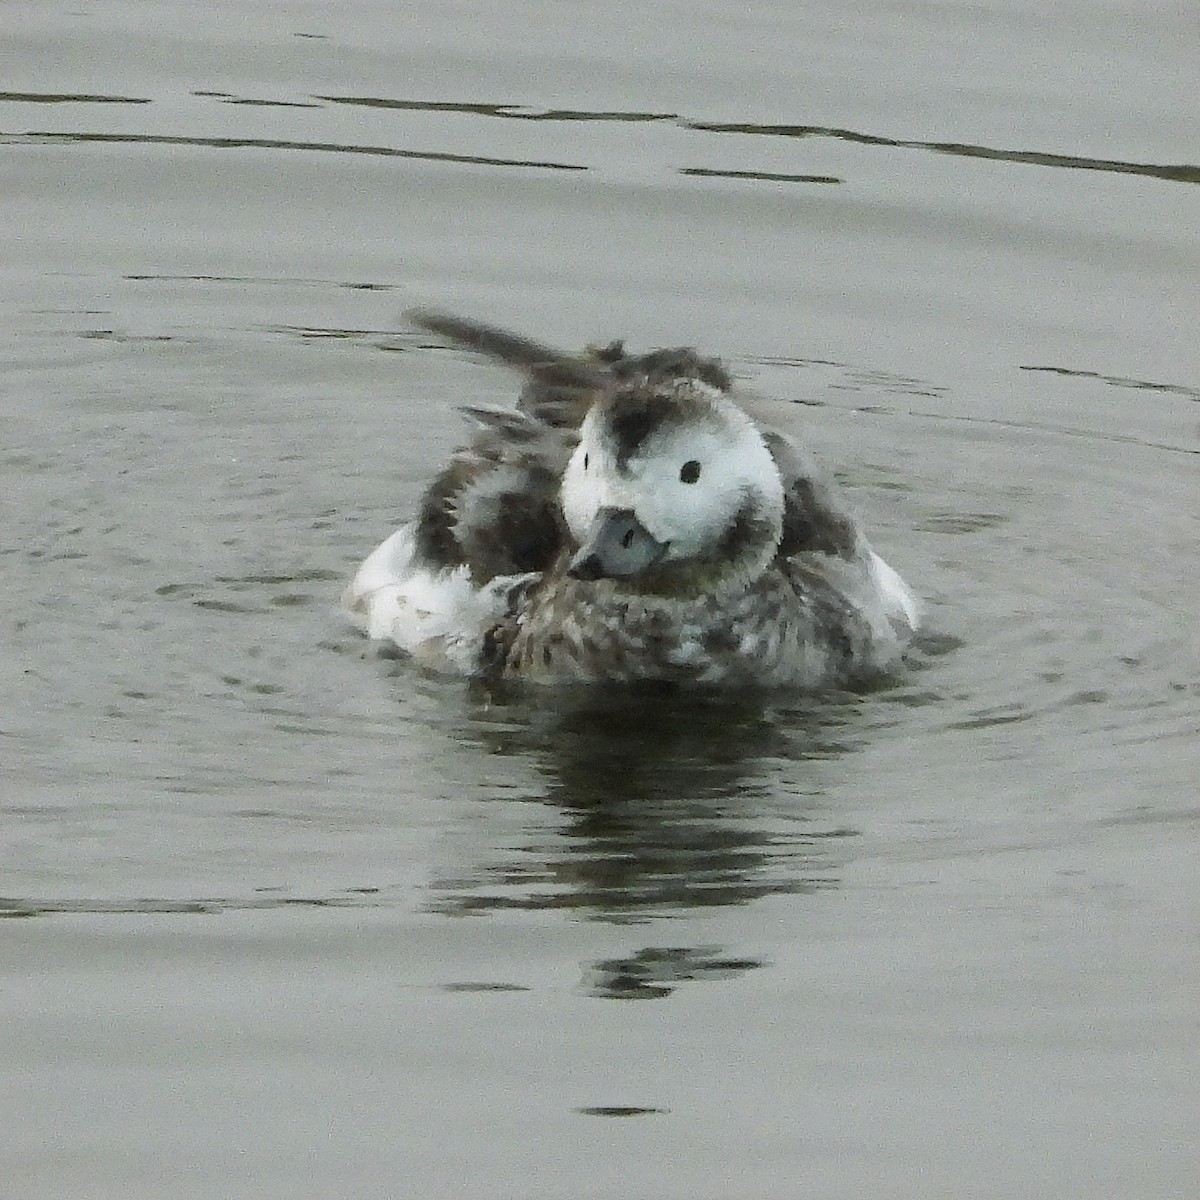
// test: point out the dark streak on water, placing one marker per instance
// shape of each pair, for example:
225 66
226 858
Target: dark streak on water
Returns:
766 176
1175 389
619 1110
511 112
1176 173
238 143
51 98
1173 172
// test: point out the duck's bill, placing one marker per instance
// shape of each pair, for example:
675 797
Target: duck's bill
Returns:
617 546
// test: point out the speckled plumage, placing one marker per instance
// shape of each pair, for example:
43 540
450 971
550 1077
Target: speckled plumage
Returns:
628 521
780 631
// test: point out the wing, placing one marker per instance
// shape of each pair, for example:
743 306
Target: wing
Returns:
816 519
494 508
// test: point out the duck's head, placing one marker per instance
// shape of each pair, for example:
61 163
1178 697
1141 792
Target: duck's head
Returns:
672 490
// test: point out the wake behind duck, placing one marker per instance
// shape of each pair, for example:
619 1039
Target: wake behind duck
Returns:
630 521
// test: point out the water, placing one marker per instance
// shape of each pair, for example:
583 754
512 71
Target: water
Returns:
302 922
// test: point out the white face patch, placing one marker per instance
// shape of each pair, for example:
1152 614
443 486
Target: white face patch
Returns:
686 483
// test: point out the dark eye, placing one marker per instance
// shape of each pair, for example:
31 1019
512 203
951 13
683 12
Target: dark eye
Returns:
689 472
585 462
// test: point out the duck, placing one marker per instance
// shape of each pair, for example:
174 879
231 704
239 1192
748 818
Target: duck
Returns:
630 521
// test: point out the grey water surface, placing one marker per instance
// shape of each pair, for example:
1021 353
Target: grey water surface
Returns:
292 920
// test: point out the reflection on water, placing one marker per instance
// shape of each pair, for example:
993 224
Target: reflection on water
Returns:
619 1110
665 803
1188 393
652 973
766 176
1171 172
69 98
1176 172
511 112
243 143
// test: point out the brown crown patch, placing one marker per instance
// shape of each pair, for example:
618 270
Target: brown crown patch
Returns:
633 415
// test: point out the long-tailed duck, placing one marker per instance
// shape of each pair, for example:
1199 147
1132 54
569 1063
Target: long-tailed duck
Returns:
630 521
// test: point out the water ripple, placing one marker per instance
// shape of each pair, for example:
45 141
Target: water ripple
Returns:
69 98
768 176
1174 172
36 137
1174 389
512 112
1170 172
32 906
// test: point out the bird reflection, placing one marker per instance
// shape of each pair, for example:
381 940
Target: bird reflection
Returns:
652 973
665 802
